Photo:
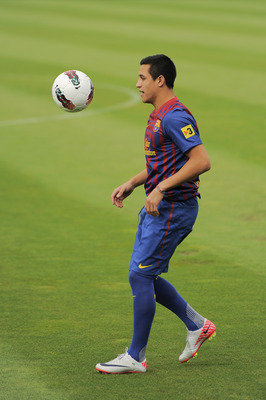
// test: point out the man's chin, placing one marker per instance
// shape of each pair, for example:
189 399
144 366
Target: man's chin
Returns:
145 100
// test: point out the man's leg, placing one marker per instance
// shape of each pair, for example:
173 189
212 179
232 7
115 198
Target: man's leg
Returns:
144 306
167 296
199 328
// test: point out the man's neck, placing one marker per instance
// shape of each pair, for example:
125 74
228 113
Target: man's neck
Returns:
163 98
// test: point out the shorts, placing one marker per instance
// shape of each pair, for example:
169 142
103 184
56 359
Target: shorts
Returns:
158 237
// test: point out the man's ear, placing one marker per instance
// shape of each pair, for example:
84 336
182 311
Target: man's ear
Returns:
161 80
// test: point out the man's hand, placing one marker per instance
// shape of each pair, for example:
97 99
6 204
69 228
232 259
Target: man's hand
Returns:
152 202
120 193
123 191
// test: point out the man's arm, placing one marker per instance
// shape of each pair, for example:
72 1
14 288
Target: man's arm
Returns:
197 163
123 191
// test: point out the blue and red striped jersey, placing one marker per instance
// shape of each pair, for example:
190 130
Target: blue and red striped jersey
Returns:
171 132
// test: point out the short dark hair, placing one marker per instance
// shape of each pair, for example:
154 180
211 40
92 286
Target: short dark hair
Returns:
161 65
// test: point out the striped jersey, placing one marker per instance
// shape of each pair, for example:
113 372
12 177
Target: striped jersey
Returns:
170 133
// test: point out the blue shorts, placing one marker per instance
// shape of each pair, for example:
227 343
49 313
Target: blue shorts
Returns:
158 237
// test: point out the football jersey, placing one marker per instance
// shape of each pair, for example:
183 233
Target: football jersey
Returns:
170 133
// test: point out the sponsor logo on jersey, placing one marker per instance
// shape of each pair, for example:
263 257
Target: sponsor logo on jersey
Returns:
148 151
188 131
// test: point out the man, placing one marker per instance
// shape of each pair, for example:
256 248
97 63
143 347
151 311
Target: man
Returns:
175 157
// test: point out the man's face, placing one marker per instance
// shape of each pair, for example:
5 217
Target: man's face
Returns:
146 85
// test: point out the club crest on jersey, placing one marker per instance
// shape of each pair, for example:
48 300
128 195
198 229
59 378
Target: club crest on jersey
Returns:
157 126
188 131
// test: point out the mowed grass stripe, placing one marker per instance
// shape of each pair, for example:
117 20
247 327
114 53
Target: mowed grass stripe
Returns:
62 21
191 32
233 13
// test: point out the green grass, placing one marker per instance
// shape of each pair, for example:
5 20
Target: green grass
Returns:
64 250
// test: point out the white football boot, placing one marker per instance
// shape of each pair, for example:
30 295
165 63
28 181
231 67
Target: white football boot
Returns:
196 338
122 364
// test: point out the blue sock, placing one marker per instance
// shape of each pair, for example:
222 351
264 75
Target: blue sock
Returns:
167 295
144 306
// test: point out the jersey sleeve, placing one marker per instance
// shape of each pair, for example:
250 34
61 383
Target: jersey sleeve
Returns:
182 129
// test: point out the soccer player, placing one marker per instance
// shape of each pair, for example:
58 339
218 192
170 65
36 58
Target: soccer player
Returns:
175 157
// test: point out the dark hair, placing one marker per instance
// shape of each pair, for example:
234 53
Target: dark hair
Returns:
161 65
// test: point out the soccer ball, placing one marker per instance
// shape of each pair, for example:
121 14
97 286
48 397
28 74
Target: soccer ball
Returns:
72 91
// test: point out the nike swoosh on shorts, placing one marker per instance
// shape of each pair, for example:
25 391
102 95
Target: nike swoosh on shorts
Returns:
144 266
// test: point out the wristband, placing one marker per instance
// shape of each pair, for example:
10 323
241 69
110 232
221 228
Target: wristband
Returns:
159 190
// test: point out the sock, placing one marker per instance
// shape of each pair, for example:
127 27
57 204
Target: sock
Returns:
144 306
167 296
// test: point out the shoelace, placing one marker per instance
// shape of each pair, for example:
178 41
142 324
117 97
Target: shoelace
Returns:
122 355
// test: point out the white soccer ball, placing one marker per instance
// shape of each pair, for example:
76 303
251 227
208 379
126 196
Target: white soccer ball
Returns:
73 90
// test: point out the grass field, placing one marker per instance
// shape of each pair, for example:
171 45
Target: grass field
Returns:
64 250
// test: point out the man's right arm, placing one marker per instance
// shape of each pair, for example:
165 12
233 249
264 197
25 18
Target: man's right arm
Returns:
123 191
